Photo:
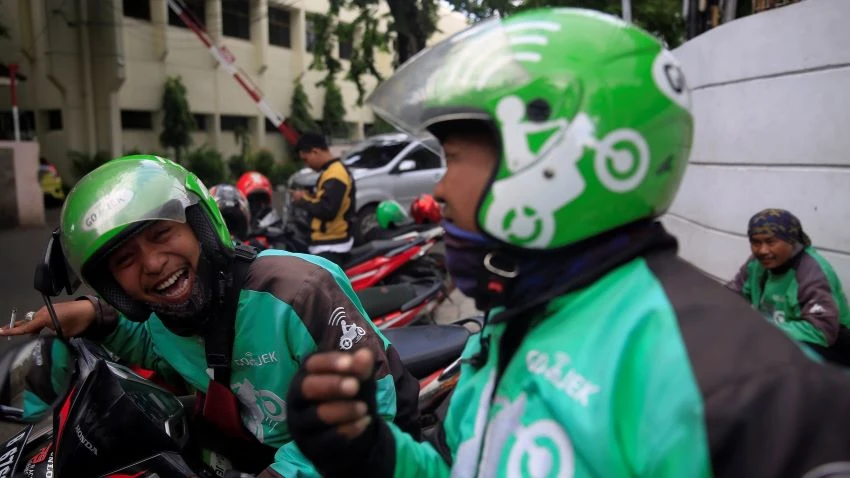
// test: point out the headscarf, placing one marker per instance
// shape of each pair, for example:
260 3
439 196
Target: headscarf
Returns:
780 224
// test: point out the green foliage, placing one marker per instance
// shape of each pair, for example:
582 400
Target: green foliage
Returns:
243 139
263 162
136 150
237 165
178 122
663 18
299 109
281 172
410 25
84 163
333 112
380 126
207 164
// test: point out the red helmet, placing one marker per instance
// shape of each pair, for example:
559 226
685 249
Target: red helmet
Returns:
425 209
254 183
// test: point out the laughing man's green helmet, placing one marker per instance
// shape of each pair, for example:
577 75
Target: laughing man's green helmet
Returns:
390 213
592 115
116 200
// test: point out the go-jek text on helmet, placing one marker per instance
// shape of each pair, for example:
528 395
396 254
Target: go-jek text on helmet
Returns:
117 200
592 116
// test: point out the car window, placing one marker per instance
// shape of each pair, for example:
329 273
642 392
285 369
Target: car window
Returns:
425 158
373 155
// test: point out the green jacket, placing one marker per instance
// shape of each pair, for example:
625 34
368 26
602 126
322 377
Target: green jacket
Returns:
291 306
804 298
650 371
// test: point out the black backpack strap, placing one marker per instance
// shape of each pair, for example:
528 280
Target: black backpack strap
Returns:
219 333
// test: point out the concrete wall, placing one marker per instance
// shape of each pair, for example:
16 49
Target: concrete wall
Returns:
771 97
21 201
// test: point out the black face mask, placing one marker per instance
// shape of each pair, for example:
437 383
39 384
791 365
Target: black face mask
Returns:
188 318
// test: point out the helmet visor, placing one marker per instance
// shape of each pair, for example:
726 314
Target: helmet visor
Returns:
438 82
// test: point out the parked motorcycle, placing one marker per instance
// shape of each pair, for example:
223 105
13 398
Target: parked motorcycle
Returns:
110 422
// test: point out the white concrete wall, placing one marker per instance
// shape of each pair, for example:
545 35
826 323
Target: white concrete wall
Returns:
771 98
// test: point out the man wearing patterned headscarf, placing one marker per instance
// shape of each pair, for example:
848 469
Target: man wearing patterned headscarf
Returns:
790 282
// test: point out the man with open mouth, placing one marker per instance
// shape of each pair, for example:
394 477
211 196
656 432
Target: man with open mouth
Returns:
175 295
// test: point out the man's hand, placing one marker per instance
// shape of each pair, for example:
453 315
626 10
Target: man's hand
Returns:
329 386
331 410
297 194
75 317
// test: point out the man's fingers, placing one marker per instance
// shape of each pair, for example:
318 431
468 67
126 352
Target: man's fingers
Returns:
353 430
359 364
23 328
327 387
341 412
363 364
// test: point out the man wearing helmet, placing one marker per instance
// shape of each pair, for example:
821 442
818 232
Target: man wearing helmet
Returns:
176 295
566 133
332 207
234 209
258 191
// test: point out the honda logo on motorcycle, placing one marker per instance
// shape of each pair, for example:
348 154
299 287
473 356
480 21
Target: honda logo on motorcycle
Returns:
84 441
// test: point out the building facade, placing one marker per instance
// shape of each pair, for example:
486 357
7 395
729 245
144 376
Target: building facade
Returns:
95 71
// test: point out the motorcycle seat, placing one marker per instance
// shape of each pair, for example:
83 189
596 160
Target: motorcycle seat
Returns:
361 254
424 349
382 300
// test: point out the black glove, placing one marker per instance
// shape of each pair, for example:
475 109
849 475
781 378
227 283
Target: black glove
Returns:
371 454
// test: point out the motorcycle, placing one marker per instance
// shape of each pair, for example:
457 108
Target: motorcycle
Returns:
110 422
379 262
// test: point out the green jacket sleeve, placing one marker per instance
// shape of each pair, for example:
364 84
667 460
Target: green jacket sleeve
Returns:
417 459
132 342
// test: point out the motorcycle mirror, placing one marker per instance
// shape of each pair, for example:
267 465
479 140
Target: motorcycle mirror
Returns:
53 274
34 378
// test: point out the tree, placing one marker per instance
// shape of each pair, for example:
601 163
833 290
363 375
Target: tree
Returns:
299 109
243 139
178 122
412 22
663 18
410 25
333 112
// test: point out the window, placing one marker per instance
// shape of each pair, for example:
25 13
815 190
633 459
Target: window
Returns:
233 122
270 128
54 120
310 32
236 18
196 9
200 121
425 159
346 46
280 32
26 125
373 154
140 9
134 119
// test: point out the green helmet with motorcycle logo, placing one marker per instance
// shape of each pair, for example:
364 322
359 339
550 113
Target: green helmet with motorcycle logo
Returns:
592 115
116 200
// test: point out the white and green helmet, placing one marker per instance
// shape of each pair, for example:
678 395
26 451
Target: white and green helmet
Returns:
592 113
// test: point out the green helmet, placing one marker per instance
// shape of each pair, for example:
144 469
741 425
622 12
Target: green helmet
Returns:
117 200
390 213
592 114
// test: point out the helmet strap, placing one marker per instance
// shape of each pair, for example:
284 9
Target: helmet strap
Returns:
498 274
